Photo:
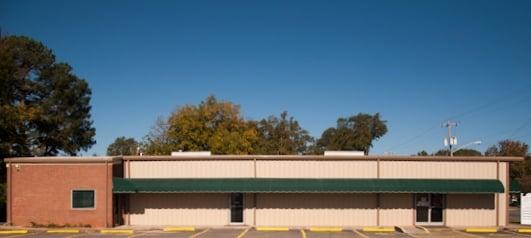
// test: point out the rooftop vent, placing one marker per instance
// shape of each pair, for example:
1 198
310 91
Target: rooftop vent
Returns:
191 153
343 153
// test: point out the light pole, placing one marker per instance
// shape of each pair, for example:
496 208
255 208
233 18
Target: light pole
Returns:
478 142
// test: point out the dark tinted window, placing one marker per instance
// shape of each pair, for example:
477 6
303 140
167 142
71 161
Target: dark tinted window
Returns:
82 199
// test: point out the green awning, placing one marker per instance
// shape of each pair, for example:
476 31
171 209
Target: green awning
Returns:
514 186
265 185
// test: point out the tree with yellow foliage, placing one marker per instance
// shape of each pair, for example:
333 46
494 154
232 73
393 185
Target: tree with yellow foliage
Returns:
213 125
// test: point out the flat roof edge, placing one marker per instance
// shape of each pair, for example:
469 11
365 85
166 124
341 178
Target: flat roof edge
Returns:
101 159
325 158
64 159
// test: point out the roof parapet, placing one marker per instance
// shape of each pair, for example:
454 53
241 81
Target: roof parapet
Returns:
344 153
191 153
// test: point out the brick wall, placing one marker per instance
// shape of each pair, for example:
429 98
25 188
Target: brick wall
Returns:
41 193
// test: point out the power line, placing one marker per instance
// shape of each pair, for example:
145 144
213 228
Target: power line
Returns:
510 95
412 139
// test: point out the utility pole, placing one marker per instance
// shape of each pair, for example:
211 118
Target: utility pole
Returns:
450 140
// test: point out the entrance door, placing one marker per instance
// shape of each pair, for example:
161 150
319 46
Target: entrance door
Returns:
430 209
236 208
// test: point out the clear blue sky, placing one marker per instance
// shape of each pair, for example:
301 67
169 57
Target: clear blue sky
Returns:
416 62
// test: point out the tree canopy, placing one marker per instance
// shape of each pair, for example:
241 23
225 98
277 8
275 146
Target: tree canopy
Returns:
217 126
45 107
461 152
212 125
357 132
281 136
513 148
123 146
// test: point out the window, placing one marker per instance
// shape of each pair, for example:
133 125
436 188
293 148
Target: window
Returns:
83 199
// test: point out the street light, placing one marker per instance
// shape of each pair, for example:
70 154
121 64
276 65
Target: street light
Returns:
478 142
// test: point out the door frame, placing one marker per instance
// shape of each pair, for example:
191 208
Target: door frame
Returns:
429 222
230 210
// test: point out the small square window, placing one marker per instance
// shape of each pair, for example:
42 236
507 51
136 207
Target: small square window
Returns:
83 199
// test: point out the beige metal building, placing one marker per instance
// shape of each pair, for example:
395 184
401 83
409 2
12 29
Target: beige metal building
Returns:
260 190
315 190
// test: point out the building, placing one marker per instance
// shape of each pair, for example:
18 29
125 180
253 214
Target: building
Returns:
259 190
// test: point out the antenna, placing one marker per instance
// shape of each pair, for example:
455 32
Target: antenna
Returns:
450 140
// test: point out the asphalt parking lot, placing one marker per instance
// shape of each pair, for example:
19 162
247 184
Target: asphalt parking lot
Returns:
294 233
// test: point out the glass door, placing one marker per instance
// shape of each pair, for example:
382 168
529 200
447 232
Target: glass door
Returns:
236 208
430 209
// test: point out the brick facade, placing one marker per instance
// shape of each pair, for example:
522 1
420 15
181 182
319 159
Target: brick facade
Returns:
41 193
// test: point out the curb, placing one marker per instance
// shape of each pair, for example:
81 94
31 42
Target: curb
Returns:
326 229
481 230
62 231
524 230
112 231
14 232
378 229
272 228
174 229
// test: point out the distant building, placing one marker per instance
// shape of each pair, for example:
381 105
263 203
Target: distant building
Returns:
259 190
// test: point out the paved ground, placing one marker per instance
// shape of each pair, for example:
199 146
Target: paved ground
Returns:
234 233
343 234
276 234
221 233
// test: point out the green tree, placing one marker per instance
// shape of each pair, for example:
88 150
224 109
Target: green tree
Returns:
442 152
467 152
461 152
212 125
513 148
422 153
354 133
281 136
123 146
45 108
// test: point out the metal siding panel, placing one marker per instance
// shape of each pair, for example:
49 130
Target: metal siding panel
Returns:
179 209
470 210
396 209
191 169
434 169
248 211
316 210
316 169
503 200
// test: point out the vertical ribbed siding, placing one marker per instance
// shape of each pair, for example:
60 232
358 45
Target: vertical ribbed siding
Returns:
396 209
179 209
470 210
316 210
248 212
436 170
192 169
315 169
503 197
